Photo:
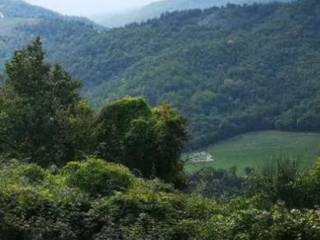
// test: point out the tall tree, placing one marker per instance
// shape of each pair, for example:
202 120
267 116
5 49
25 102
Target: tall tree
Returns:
148 140
40 110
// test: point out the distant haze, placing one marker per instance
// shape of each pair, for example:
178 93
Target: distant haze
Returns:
89 7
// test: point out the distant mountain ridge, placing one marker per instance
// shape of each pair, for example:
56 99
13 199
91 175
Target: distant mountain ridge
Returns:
19 8
154 10
21 22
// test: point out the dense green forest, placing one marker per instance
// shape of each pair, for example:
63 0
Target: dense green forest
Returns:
110 167
71 173
43 119
230 70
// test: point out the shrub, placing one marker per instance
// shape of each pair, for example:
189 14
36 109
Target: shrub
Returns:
32 173
96 177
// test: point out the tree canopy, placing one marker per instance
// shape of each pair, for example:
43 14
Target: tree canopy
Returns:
230 70
44 120
40 110
146 139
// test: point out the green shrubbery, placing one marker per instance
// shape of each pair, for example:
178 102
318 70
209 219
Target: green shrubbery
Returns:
96 178
288 184
38 204
252 223
217 184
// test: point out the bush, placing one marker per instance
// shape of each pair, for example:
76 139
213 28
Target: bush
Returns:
310 185
65 206
32 173
96 177
217 184
278 183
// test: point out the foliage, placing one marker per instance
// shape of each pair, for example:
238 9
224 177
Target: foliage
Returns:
42 117
149 140
40 204
252 223
280 182
225 68
310 184
44 120
95 177
216 184
286 183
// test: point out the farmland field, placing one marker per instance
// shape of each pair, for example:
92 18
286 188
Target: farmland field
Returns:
260 149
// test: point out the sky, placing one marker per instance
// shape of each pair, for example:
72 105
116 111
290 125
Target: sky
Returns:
89 7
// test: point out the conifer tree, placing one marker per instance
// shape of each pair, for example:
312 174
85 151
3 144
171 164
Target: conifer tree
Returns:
40 110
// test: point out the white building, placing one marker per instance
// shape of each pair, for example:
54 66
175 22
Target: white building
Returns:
201 157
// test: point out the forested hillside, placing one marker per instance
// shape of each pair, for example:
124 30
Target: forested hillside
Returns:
22 23
20 9
71 172
156 9
230 70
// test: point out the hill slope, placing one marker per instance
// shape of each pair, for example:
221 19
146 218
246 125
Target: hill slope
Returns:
156 9
64 36
229 70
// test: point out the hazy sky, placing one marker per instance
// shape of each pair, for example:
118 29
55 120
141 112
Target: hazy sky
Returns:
89 7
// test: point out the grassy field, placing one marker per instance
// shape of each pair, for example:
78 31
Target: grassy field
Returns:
260 149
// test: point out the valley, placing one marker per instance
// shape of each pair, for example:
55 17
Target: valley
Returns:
261 150
188 120
222 68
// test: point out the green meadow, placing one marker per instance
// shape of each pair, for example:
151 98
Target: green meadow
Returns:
259 150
